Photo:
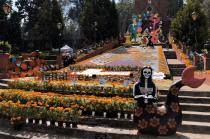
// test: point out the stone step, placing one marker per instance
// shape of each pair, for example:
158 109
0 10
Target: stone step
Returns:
176 71
5 81
187 127
195 127
193 107
175 63
188 99
189 93
189 130
176 66
51 62
196 116
50 57
3 86
170 54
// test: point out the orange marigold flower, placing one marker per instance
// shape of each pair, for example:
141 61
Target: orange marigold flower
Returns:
52 108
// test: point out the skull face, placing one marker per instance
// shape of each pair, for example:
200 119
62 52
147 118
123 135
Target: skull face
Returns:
147 73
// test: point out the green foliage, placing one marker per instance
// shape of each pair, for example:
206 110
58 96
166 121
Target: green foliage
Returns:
41 18
5 47
185 29
99 20
14 32
56 18
125 10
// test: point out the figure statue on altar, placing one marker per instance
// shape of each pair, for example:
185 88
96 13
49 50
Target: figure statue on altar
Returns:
132 29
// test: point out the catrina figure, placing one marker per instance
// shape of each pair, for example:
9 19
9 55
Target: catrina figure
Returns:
161 120
145 91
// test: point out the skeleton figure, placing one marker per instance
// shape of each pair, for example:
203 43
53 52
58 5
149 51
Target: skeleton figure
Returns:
145 90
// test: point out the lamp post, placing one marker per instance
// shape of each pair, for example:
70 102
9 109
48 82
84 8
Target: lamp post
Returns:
95 29
194 18
59 26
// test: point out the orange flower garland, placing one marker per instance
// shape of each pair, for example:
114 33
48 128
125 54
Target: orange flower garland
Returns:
163 66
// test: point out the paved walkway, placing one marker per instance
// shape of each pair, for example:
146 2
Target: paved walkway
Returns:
11 134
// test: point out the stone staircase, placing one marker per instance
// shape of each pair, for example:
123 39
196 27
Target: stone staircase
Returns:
4 83
170 54
196 111
176 67
51 59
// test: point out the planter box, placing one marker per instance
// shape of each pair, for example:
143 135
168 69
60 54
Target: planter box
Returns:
4 62
4 65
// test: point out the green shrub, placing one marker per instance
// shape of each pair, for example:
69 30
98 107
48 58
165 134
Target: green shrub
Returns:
5 47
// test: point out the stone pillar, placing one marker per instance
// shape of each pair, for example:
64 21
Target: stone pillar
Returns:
128 40
4 63
195 60
207 63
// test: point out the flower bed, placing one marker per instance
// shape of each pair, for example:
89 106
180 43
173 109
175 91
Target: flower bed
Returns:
67 88
163 67
30 111
106 68
182 55
51 106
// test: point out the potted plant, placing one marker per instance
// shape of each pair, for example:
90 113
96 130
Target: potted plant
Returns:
205 52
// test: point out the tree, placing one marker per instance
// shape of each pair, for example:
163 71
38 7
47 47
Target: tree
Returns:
113 20
40 22
125 10
184 28
4 21
42 30
87 19
99 20
14 32
206 5
56 18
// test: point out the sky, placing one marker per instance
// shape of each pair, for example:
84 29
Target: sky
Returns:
115 1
